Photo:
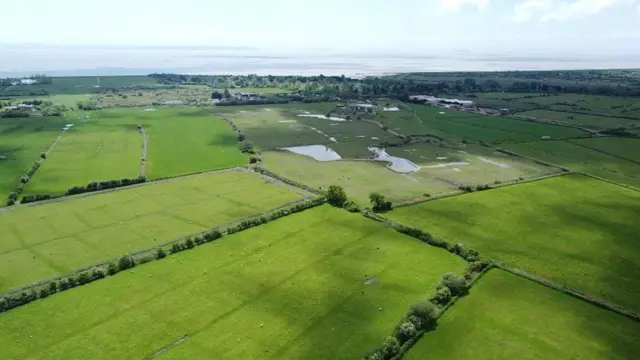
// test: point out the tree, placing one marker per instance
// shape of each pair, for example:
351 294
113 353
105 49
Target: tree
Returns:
241 137
217 95
443 295
246 146
226 94
336 195
43 155
379 202
161 254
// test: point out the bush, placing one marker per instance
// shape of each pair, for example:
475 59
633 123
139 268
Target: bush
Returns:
43 155
126 262
380 204
456 284
351 206
443 295
241 137
390 348
246 146
254 160
25 179
426 311
406 331
336 195
112 269
189 244
161 254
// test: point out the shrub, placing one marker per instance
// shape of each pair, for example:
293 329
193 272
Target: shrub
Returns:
161 254
456 284
98 273
246 146
426 311
43 293
351 206
390 348
443 295
336 195
112 269
254 160
43 155
189 244
126 262
406 331
416 321
241 137
25 179
380 204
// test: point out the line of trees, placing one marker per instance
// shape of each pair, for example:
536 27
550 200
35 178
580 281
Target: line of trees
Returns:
104 185
423 316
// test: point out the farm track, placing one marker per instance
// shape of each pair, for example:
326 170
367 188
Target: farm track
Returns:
145 150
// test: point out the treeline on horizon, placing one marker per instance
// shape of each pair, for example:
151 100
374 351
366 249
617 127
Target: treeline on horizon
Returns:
594 82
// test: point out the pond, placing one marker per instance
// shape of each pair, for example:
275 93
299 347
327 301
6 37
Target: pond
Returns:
318 152
396 164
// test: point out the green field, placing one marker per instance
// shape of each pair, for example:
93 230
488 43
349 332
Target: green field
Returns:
272 292
572 229
66 100
506 317
107 146
624 148
586 104
22 140
358 178
572 155
460 125
484 165
603 122
279 126
79 85
45 241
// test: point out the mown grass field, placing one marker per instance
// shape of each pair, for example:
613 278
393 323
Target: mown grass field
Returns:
358 178
44 241
506 317
484 165
279 126
272 292
589 104
467 126
625 148
108 146
592 121
571 154
575 230
21 143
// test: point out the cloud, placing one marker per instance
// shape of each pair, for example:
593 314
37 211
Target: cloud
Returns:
557 10
457 5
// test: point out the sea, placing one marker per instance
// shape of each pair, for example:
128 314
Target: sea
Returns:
24 60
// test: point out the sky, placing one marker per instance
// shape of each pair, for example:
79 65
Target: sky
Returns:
409 25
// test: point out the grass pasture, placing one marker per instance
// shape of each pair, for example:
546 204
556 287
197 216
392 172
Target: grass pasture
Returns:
279 126
45 241
573 229
484 164
107 146
358 178
22 141
79 85
460 125
62 99
591 121
272 292
583 155
264 90
506 317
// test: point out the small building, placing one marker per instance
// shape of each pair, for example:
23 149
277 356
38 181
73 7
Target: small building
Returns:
546 137
28 81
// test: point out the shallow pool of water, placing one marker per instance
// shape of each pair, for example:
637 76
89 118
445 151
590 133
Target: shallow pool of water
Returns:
318 152
396 164
392 108
332 118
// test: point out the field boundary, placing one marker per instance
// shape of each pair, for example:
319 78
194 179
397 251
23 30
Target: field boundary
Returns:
146 183
604 152
416 201
569 291
145 148
97 271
